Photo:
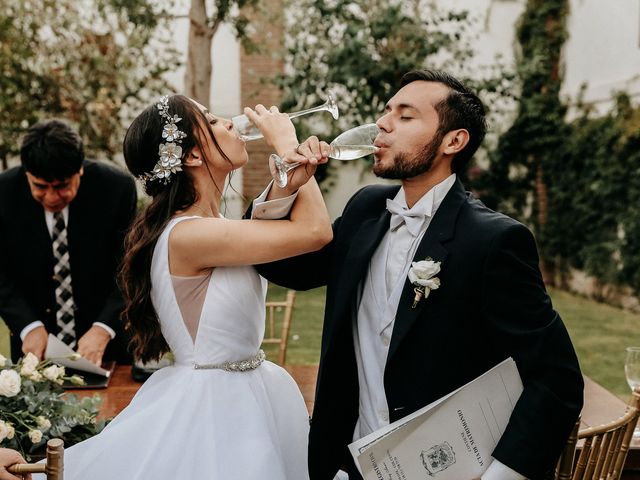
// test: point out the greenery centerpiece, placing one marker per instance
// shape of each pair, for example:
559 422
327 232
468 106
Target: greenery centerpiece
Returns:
34 407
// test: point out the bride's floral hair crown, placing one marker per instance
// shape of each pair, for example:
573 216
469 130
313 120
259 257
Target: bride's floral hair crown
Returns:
170 152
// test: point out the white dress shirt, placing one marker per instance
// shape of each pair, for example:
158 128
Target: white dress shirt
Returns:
271 209
48 217
379 295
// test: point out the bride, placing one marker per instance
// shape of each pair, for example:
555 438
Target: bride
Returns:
221 411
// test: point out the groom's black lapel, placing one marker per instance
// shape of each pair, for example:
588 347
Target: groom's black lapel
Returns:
362 248
441 229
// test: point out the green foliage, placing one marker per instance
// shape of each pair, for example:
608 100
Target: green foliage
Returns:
91 62
360 49
530 146
238 14
589 168
594 214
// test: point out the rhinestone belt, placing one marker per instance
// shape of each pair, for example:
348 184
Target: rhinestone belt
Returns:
240 366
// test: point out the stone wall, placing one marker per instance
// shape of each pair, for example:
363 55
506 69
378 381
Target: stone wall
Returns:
621 296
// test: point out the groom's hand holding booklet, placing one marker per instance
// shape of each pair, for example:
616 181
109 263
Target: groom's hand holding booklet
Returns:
449 439
93 375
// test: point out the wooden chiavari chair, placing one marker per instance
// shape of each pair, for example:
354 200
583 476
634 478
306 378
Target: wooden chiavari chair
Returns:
603 449
278 324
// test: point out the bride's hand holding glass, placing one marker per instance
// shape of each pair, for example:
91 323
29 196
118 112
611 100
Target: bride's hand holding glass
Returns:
354 143
279 133
276 127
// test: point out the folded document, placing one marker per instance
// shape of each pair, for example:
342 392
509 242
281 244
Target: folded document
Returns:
449 439
61 352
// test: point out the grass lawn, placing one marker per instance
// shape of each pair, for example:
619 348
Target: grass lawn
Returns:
599 332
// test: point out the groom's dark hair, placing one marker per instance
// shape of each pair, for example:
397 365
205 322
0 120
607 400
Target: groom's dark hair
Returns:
460 109
52 150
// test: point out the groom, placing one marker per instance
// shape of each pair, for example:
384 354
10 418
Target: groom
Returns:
381 358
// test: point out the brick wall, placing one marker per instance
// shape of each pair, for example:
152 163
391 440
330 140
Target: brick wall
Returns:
255 70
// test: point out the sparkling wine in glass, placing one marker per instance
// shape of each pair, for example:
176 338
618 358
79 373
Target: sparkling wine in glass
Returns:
632 372
248 131
354 143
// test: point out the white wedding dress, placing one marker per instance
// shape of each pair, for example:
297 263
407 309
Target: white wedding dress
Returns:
204 423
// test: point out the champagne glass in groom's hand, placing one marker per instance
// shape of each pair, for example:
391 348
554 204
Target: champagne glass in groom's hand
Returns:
354 143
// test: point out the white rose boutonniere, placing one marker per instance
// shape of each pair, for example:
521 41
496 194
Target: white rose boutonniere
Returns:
422 275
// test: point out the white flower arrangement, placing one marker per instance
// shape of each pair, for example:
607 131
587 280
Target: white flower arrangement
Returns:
422 275
34 408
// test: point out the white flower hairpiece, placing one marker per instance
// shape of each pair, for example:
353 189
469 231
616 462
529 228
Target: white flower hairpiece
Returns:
170 152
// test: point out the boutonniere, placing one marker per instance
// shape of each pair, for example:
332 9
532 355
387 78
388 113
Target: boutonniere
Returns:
422 275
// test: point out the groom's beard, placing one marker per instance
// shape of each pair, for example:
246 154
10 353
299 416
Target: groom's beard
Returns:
404 167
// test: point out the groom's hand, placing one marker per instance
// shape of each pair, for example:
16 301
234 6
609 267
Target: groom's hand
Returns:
310 153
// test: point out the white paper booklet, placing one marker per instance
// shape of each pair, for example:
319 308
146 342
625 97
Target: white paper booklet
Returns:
449 439
61 351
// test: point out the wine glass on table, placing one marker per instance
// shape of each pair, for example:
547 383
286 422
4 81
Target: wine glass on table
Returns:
248 131
349 145
632 372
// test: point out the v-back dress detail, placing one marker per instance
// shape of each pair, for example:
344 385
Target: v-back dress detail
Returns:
186 423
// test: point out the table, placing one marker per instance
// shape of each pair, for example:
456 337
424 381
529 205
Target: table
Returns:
600 405
122 388
117 396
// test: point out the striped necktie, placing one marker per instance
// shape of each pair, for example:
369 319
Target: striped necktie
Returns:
62 281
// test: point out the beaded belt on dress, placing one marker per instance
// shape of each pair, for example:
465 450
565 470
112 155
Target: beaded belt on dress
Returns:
240 366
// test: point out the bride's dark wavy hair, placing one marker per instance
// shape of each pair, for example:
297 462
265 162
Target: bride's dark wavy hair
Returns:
141 143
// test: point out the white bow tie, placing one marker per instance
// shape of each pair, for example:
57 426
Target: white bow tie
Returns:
400 215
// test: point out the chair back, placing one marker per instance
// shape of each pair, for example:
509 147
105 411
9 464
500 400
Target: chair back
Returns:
564 469
605 447
54 466
278 324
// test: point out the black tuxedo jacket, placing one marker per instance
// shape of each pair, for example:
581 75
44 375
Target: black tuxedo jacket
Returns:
491 304
99 216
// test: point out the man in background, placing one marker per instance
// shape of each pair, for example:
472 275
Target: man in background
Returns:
63 221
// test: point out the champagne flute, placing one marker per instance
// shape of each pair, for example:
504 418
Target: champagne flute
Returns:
632 372
349 145
248 131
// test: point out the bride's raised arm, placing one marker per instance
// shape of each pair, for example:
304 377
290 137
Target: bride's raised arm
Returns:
203 243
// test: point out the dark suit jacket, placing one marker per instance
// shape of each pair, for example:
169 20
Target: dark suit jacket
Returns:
99 216
491 304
